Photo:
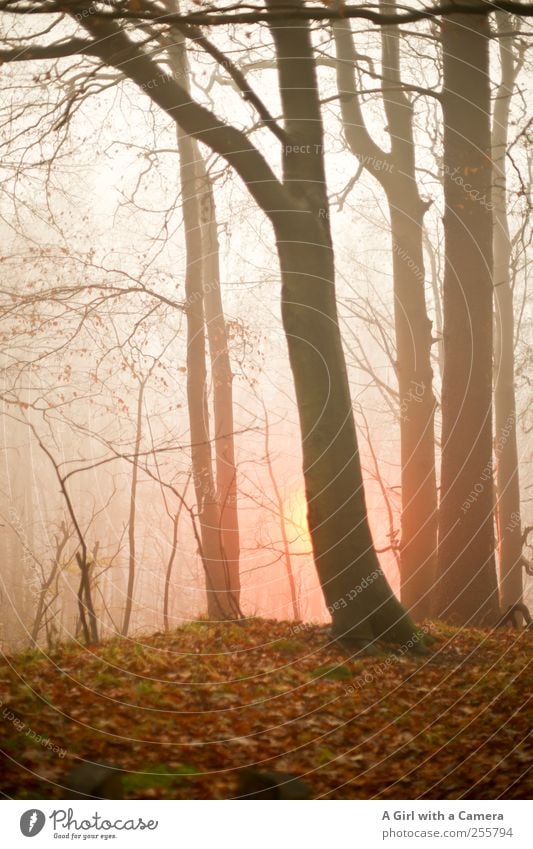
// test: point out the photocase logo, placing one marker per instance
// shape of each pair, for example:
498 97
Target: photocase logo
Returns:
32 822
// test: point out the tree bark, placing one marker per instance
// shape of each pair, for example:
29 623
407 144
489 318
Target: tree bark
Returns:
467 589
506 449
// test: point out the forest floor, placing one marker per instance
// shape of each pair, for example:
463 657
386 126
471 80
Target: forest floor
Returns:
181 713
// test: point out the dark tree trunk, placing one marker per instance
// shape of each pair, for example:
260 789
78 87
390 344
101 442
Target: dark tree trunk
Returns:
396 173
467 589
358 596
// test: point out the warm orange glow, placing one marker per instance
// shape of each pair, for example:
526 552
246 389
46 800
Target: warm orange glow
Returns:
295 510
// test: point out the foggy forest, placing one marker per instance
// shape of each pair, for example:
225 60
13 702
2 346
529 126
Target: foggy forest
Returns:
266 325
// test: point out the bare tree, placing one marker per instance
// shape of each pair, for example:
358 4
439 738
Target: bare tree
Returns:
507 474
216 503
467 587
396 173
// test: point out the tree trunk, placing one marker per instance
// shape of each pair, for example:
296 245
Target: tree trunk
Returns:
507 476
168 572
220 601
437 298
358 596
362 605
467 588
132 563
222 381
395 171
219 527
418 543
46 583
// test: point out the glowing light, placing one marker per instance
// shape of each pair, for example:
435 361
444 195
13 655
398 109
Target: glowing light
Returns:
295 510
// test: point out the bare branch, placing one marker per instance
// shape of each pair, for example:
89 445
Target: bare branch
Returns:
110 10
